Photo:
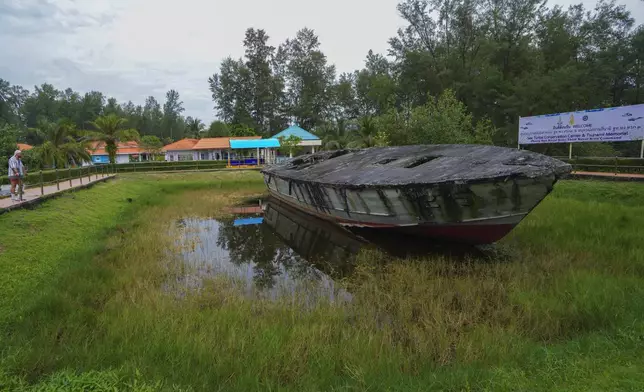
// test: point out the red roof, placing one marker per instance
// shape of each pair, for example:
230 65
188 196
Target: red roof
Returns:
98 148
183 144
24 147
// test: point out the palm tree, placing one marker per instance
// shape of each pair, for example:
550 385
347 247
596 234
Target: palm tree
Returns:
194 126
334 137
61 145
366 135
109 131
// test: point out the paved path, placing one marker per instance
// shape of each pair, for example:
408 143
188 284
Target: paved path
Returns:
32 193
620 176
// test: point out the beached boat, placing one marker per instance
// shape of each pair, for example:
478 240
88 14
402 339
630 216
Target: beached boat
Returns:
465 193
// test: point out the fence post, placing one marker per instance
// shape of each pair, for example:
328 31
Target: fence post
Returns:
57 183
197 165
42 186
80 175
135 167
70 176
615 165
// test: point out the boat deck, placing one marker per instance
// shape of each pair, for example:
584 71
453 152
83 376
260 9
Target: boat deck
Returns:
408 165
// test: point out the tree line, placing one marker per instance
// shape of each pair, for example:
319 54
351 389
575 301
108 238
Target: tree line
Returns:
26 111
460 71
62 123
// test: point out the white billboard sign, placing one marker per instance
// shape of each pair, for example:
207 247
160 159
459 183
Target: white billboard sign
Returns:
620 124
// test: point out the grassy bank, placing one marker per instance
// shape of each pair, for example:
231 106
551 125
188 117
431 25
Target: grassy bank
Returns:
86 301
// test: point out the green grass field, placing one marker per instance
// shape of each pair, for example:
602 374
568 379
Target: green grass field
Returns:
84 304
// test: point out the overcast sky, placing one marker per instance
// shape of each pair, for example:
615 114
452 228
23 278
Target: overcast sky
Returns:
130 49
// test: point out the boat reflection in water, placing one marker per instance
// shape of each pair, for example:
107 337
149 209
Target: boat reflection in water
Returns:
273 257
286 252
319 240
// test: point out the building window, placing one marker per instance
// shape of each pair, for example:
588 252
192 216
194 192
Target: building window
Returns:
204 156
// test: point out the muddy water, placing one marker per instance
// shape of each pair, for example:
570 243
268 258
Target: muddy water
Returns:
274 251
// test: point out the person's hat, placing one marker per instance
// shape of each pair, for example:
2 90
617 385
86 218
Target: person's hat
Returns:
17 152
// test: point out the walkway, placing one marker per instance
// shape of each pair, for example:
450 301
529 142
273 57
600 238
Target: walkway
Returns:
32 194
609 176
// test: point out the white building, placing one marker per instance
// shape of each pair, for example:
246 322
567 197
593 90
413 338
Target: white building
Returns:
126 152
206 149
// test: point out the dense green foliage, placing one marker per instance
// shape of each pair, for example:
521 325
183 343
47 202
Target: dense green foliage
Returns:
499 59
8 136
555 306
61 144
151 144
27 111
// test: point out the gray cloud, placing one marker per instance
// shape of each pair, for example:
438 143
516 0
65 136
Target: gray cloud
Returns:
42 16
130 49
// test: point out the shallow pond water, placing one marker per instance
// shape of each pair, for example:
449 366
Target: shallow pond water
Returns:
272 250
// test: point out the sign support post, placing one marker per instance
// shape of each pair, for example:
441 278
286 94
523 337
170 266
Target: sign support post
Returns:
642 150
569 150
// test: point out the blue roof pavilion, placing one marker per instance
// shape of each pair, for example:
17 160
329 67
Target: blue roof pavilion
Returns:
294 130
252 152
309 141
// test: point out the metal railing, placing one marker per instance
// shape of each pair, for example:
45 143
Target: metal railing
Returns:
608 168
607 164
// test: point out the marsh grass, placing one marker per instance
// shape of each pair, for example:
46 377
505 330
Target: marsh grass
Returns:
556 305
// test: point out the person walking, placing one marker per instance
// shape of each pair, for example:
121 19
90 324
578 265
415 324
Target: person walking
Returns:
16 175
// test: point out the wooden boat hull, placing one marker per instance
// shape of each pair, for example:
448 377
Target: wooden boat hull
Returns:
474 232
468 194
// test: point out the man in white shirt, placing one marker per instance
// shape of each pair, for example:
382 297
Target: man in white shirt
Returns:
16 173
